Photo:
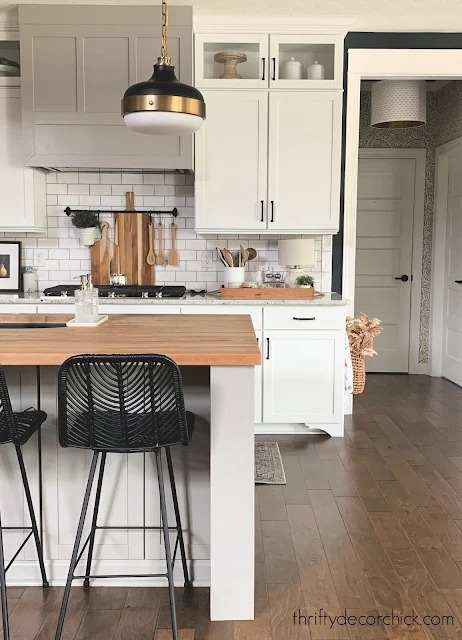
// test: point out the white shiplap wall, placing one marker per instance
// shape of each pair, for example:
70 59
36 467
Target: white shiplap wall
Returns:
66 258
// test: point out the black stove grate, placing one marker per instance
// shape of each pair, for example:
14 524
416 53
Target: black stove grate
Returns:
129 291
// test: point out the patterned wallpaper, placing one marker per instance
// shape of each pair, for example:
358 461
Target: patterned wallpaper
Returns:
444 123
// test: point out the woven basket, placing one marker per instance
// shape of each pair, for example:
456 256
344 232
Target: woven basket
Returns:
359 373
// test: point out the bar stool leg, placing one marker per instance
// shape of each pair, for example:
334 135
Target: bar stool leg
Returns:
75 552
168 553
6 628
33 520
86 582
187 582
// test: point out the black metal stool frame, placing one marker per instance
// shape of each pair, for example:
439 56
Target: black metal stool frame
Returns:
33 529
78 550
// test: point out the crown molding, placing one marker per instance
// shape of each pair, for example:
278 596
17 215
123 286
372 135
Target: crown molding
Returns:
338 25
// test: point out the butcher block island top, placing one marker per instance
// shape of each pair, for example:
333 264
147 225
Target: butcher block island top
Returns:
206 340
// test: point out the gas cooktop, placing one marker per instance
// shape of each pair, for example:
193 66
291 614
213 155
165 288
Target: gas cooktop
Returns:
129 291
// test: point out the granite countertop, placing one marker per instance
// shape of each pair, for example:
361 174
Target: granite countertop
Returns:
329 299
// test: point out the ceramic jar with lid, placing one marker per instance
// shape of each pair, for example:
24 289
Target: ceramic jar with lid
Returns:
315 71
292 69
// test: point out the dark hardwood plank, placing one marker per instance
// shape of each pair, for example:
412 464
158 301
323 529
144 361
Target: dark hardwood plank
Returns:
261 589
368 490
325 448
339 480
280 563
441 463
376 465
294 491
78 603
259 553
258 629
285 601
443 492
139 616
349 580
183 634
107 597
99 624
445 529
271 502
187 606
312 470
389 530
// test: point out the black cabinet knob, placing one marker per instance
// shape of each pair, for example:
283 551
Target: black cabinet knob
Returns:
404 278
458 281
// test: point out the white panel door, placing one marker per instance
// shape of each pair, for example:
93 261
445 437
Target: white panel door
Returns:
452 327
304 160
231 162
383 254
303 376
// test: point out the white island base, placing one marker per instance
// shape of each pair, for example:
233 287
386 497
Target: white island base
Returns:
215 484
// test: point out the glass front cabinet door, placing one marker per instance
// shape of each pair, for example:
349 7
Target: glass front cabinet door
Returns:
232 61
306 62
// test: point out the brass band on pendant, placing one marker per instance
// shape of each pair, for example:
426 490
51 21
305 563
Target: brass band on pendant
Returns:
172 104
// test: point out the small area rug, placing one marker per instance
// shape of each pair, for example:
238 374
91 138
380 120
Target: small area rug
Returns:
268 464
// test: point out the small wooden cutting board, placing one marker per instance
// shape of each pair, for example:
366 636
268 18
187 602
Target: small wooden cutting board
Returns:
104 255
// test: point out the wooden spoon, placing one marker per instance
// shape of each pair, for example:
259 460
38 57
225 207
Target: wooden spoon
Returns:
173 255
151 257
228 257
160 258
252 253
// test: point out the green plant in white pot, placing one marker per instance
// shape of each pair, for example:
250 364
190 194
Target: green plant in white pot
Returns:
87 222
305 282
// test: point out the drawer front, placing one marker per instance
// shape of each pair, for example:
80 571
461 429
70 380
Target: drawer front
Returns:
254 312
304 318
141 309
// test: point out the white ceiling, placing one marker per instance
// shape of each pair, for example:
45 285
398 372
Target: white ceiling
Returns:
377 15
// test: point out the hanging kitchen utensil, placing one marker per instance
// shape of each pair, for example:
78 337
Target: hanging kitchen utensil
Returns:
222 259
104 256
242 255
151 257
173 255
160 258
252 253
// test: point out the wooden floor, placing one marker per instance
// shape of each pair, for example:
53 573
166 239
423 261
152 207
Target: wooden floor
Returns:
368 524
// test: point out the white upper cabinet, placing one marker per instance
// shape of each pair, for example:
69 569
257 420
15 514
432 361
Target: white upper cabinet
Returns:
22 190
304 160
76 63
259 61
231 162
252 66
306 62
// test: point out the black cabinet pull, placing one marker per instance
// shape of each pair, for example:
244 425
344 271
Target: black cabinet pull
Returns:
267 349
272 210
263 68
294 318
458 281
262 218
274 68
404 278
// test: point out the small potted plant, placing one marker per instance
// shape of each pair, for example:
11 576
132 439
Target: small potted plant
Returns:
87 222
304 282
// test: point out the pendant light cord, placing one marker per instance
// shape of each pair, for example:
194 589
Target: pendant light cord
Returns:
164 58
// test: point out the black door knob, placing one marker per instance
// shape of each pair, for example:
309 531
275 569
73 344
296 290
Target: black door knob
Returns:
404 278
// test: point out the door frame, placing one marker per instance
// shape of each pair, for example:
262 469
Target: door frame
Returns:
443 155
419 155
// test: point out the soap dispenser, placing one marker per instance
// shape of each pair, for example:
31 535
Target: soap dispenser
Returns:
86 300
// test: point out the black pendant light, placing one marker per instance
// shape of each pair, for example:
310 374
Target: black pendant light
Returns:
162 105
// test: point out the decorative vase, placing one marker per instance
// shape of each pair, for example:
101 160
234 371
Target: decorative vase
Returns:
230 60
315 71
292 69
88 236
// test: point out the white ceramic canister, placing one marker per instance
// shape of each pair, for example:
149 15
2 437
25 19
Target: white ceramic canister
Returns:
315 71
292 69
233 275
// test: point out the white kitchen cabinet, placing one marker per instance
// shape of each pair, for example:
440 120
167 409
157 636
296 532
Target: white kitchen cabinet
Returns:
254 71
23 190
305 131
303 377
281 168
231 162
324 49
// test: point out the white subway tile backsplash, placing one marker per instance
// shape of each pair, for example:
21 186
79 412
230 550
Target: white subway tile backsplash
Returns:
66 258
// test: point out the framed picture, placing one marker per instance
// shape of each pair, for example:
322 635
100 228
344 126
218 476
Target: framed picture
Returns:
10 267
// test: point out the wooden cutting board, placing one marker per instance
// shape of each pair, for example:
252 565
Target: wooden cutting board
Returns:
132 233
104 257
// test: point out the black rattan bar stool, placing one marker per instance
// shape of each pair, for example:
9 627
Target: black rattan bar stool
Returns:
123 404
16 428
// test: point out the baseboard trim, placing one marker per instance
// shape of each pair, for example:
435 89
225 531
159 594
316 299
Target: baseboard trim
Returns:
27 573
